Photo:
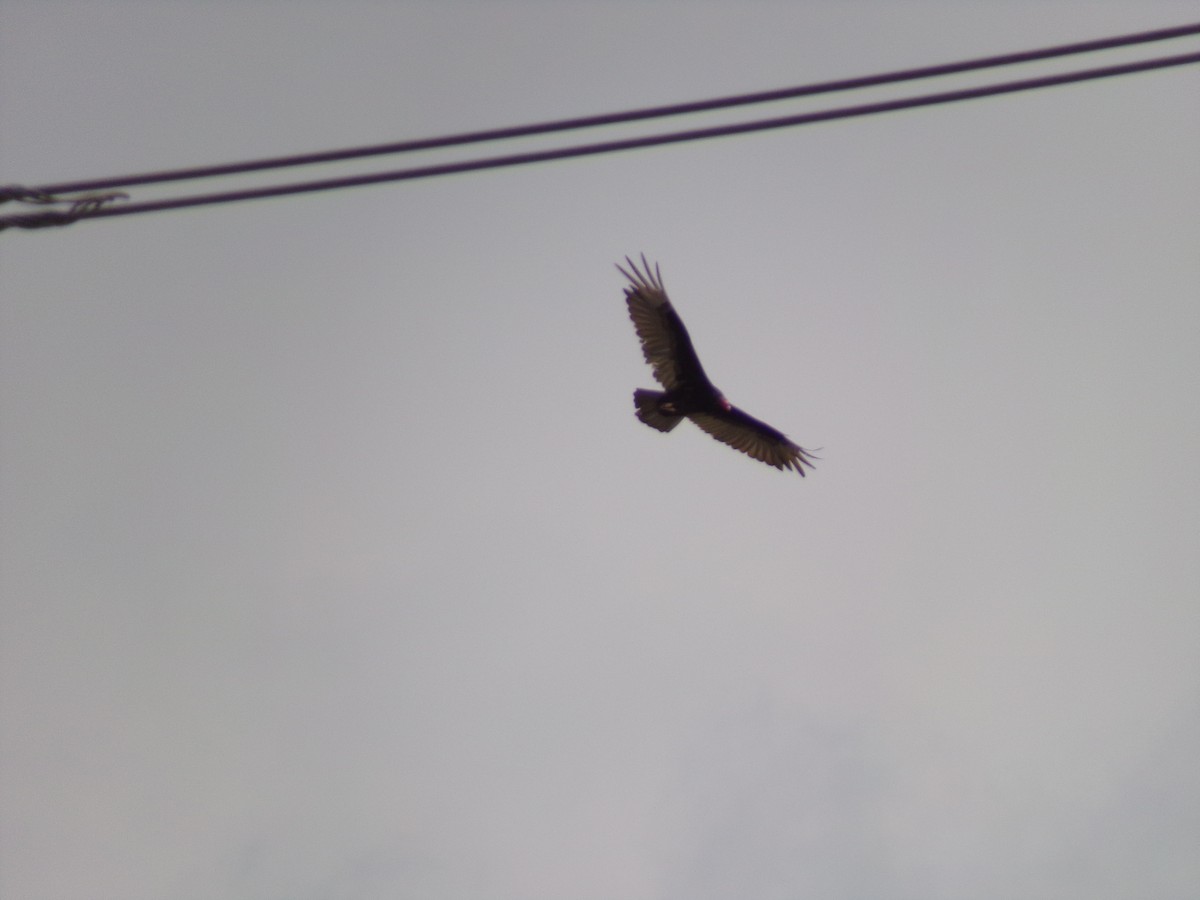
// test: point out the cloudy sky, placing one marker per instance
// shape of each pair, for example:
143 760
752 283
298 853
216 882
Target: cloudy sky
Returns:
335 564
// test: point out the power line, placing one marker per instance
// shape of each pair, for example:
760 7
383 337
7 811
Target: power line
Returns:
653 112
94 205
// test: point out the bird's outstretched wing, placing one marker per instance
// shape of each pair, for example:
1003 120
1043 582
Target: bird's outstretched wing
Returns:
754 438
665 342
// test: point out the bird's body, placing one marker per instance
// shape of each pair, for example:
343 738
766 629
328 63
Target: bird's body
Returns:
689 393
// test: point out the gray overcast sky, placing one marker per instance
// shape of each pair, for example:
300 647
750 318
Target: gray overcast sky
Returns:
335 564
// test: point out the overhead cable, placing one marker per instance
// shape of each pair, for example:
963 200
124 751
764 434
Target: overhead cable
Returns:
96 205
652 112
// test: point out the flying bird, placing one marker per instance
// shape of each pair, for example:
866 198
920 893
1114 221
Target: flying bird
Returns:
689 393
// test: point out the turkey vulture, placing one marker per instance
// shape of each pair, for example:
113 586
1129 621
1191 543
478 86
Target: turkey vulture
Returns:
689 393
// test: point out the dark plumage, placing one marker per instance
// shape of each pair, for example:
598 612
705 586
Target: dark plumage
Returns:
689 393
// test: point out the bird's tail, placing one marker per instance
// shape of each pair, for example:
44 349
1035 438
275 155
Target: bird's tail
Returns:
648 411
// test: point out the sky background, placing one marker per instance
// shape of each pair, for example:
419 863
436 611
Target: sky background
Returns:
336 565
